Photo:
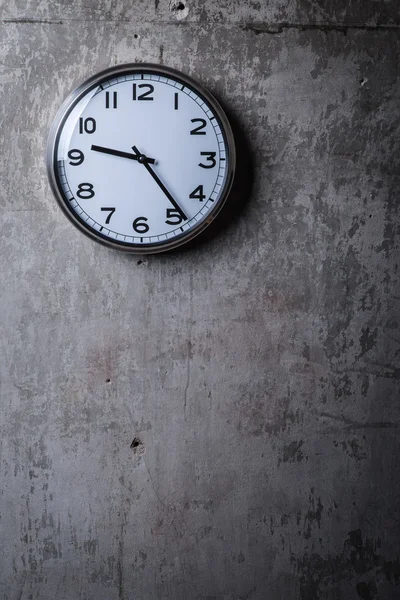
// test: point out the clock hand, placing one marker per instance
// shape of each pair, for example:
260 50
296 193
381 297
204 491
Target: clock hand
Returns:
145 161
123 154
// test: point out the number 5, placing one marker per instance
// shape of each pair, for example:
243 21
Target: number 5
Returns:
172 213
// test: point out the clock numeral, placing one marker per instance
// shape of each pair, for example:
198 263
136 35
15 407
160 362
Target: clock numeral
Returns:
173 213
114 100
198 193
85 191
77 157
176 101
197 130
211 158
88 125
145 95
140 227
112 211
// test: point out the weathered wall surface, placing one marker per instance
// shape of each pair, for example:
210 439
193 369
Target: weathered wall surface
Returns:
260 371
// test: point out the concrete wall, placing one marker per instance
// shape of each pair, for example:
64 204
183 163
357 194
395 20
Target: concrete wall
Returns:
260 370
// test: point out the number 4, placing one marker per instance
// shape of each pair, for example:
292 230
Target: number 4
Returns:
198 193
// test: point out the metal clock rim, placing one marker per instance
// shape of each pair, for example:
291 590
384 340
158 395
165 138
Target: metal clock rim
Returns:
62 115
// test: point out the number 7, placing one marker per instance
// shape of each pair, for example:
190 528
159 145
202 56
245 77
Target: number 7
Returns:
112 211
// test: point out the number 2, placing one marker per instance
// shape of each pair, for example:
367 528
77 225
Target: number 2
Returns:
197 130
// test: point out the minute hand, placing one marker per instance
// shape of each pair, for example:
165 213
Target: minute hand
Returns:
160 184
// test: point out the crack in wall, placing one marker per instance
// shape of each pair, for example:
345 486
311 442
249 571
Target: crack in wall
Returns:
256 28
277 28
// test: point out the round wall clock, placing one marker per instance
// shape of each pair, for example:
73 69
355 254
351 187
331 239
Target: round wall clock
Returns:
141 158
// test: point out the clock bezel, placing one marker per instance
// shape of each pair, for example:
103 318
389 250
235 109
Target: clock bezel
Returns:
63 114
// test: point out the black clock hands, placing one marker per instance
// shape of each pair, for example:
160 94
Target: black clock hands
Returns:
142 159
146 161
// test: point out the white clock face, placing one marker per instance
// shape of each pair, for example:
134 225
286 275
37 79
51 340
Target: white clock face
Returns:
141 158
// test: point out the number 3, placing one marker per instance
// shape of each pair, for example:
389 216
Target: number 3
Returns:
210 157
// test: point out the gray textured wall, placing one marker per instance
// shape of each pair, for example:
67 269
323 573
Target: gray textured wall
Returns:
260 370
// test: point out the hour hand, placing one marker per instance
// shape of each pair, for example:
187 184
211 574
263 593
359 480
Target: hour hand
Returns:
141 158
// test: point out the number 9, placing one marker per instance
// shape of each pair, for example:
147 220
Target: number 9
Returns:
77 157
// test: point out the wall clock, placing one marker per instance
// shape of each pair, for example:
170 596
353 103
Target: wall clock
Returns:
141 158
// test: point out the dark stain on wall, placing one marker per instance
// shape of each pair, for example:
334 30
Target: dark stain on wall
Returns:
359 563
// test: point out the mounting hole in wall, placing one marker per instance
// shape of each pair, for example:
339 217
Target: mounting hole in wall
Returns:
179 9
137 446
